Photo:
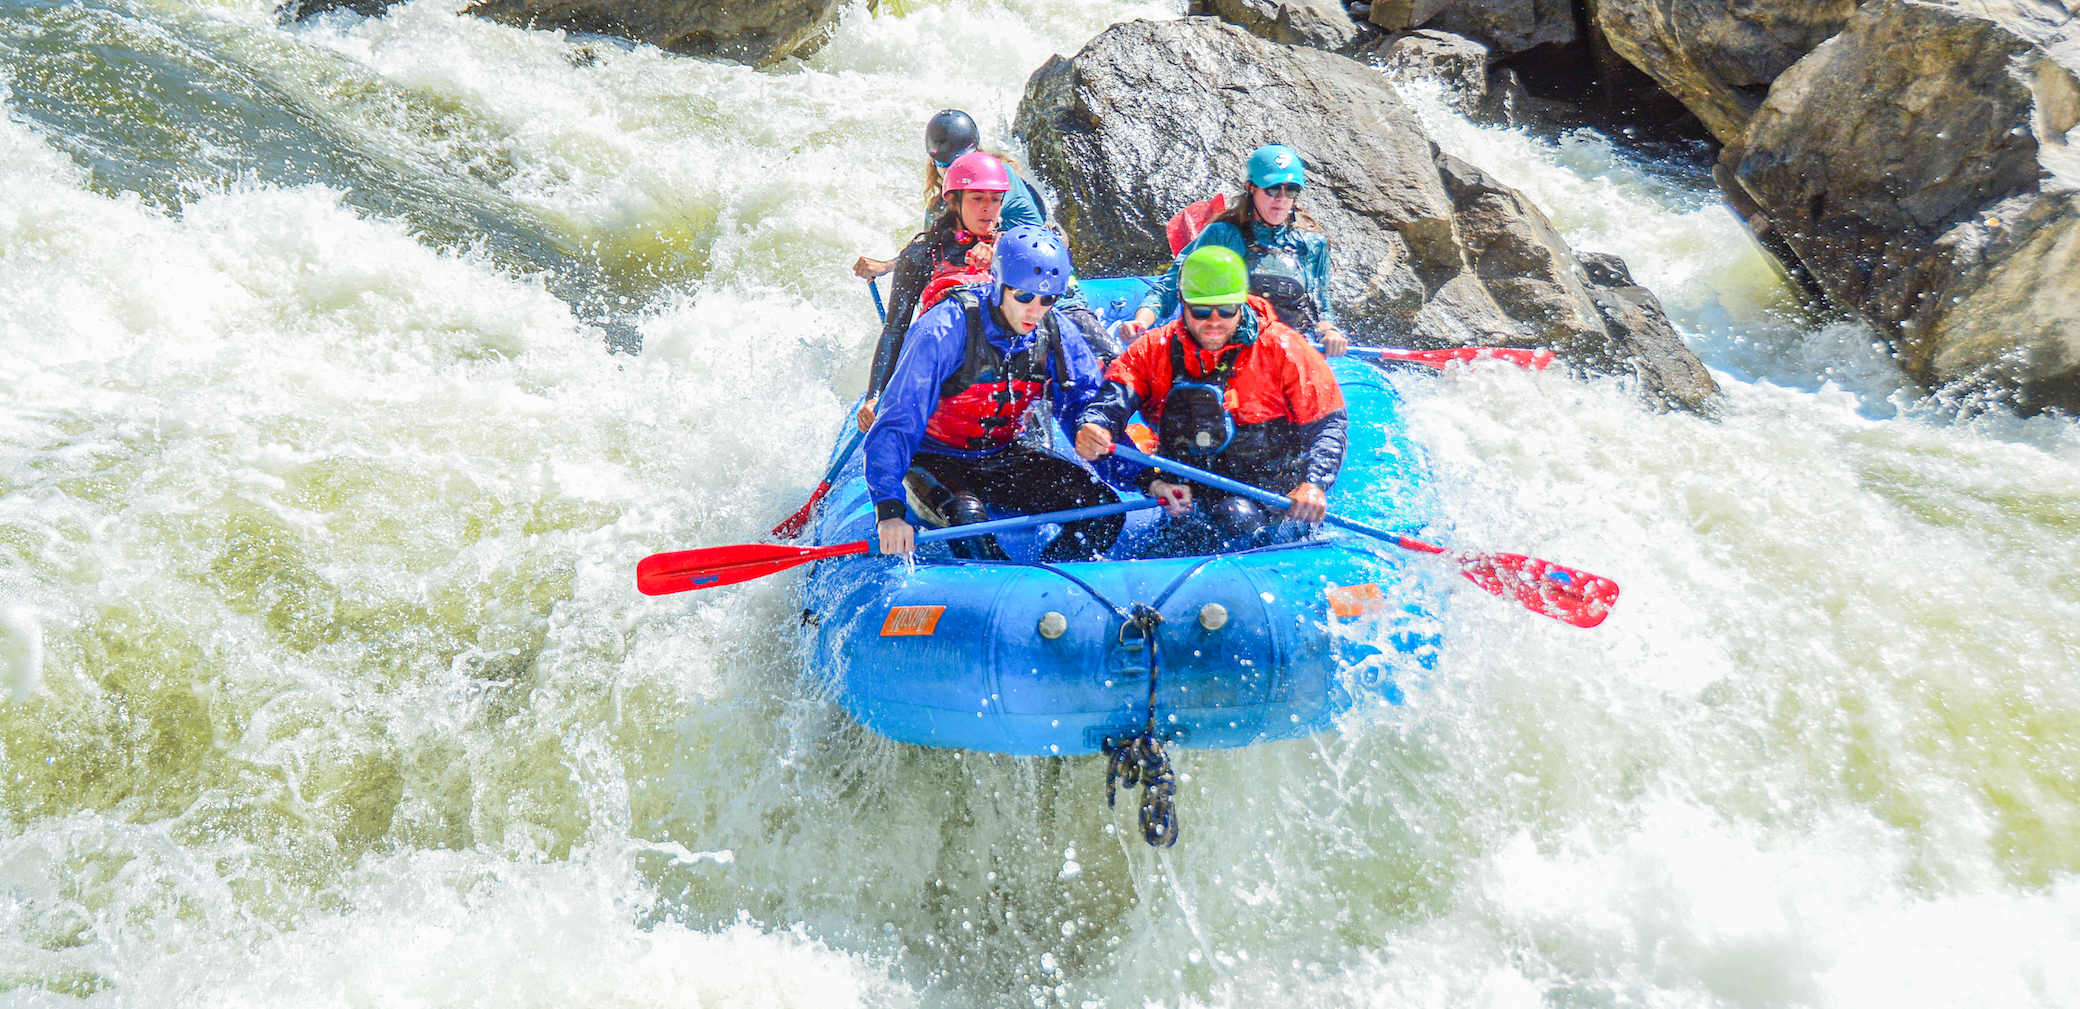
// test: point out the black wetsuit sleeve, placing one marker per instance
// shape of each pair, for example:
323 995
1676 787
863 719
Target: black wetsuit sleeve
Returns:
906 286
1115 403
1113 407
1326 440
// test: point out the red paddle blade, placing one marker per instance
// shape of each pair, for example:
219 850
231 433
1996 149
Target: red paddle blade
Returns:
799 521
706 568
1567 595
1532 360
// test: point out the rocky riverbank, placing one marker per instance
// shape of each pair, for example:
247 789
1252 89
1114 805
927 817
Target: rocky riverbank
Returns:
1910 160
1427 250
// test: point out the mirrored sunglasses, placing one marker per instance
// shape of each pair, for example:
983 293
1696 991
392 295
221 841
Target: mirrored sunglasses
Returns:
1287 189
1026 298
1207 311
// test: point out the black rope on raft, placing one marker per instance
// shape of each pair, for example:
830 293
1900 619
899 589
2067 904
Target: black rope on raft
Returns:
1139 761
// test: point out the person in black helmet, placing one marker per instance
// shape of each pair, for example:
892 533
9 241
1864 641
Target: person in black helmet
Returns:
950 134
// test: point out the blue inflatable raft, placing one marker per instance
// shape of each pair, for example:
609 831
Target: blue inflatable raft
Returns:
1025 658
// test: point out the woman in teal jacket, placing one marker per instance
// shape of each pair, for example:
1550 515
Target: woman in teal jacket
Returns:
1287 255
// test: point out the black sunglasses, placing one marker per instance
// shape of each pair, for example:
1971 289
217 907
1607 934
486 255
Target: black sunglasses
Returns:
1026 298
1206 311
1284 189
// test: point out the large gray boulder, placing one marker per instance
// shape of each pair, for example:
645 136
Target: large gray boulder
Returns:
1718 56
1921 166
1323 24
1152 116
1507 26
750 31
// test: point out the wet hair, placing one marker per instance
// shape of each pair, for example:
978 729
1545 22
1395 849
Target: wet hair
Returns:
1242 214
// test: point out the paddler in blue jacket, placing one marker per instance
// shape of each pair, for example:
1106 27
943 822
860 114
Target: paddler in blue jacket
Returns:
1287 254
946 436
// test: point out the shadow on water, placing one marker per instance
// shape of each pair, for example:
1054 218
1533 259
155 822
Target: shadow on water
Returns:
146 107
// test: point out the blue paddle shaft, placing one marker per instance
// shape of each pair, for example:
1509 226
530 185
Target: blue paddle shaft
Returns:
879 309
1028 521
844 454
1352 351
1240 489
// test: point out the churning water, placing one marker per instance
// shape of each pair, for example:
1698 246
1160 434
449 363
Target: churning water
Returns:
326 683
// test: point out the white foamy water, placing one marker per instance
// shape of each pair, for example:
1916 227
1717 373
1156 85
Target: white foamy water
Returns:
328 684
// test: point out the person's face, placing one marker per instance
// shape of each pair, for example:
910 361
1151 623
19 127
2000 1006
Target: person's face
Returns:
1024 315
1214 331
1275 205
980 209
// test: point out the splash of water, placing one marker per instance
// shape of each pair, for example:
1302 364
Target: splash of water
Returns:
326 517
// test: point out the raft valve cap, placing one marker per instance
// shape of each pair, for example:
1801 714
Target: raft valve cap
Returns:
1053 625
1213 616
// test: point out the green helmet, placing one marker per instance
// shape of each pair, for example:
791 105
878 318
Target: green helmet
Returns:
1276 164
1214 275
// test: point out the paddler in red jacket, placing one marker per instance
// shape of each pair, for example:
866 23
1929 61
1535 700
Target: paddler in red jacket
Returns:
1231 389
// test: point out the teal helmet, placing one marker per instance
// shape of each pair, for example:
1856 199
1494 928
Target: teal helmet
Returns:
1276 164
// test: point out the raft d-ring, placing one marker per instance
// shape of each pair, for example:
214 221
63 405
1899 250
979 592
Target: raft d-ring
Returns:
1213 616
1131 626
1053 625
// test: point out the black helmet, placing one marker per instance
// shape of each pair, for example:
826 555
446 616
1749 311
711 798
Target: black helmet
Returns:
949 135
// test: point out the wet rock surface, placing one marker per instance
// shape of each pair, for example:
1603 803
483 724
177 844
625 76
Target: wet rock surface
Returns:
1506 26
1427 250
1921 167
750 31
1718 56
1458 62
1323 24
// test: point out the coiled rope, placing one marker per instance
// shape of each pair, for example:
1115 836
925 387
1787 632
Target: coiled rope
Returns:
1140 760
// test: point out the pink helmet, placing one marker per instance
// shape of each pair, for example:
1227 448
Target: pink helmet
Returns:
976 170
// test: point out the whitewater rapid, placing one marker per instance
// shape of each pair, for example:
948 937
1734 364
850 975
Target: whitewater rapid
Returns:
326 684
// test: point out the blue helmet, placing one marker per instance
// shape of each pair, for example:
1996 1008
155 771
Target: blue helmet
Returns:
1031 258
1276 164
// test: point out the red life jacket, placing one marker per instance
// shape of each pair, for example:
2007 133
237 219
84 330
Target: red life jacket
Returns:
949 273
982 405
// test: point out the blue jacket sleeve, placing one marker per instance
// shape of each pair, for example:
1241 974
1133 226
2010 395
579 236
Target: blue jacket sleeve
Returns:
1162 295
1021 206
932 352
1318 277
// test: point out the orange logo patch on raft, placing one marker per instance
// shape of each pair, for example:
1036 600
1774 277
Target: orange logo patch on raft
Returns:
1354 600
913 621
